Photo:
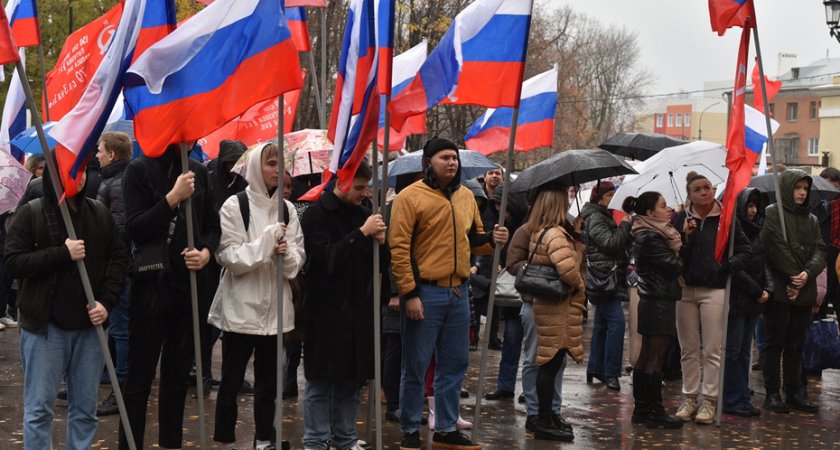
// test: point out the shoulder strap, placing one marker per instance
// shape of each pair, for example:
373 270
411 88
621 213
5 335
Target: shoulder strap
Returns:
244 208
531 258
286 213
38 221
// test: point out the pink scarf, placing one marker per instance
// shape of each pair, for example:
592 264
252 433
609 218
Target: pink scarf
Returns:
661 226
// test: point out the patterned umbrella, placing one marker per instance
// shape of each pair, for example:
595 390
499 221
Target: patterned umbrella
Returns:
307 151
13 180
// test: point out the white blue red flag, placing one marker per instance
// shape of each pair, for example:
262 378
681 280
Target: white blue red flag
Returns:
355 112
479 61
14 117
228 57
535 124
405 67
78 132
23 18
385 43
726 14
297 20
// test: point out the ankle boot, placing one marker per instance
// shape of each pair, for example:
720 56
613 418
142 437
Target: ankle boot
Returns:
641 410
545 429
658 417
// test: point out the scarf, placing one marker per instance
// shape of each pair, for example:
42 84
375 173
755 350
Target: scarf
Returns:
661 226
834 210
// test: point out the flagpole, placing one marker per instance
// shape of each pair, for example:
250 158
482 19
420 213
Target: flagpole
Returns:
44 82
199 382
71 234
318 105
281 353
378 205
727 294
386 142
324 65
770 147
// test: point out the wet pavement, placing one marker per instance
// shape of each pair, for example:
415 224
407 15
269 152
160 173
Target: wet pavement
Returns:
601 418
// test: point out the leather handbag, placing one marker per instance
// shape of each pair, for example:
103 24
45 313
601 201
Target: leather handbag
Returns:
150 261
542 282
601 281
506 294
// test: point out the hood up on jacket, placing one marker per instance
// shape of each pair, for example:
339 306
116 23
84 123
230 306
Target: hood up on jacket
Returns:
49 192
747 196
254 176
517 206
787 180
477 191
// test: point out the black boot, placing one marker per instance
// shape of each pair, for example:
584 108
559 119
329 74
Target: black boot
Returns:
641 410
545 429
658 417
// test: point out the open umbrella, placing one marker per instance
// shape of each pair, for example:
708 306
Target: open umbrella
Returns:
640 146
308 151
821 189
572 167
13 180
123 126
27 140
473 164
666 172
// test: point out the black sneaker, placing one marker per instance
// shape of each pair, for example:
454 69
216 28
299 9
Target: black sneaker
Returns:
246 388
453 440
410 441
108 407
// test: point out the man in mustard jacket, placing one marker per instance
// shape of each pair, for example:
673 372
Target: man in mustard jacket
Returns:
435 226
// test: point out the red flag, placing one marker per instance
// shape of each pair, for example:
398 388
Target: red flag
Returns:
8 49
773 88
726 14
739 160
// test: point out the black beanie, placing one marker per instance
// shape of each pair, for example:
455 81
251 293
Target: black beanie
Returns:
437 144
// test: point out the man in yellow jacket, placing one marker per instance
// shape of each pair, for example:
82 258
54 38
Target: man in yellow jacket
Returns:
435 226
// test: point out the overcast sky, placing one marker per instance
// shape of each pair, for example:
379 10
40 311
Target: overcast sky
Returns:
680 49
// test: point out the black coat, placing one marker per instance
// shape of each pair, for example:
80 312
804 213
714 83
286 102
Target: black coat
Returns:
145 184
701 269
749 283
339 303
658 270
606 247
111 194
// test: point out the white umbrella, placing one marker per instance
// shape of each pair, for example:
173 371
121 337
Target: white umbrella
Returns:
665 172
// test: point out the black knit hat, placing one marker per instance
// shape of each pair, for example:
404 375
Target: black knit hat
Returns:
437 144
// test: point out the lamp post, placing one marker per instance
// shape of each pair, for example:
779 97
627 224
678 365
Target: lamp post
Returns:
832 17
700 122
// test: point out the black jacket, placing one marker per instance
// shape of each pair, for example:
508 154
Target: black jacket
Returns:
51 289
700 268
111 194
749 283
339 302
223 184
145 184
606 246
657 267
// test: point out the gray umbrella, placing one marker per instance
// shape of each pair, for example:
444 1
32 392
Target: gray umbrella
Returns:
572 167
639 146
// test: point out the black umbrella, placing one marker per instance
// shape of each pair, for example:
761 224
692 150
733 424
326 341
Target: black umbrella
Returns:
640 146
572 167
821 189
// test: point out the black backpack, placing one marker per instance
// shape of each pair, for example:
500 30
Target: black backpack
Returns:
245 209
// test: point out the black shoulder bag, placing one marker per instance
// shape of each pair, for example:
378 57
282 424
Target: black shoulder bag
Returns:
151 260
542 282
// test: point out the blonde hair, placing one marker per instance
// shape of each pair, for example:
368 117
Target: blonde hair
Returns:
549 209
270 150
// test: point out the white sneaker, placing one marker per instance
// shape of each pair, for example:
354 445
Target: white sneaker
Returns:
2 327
687 410
705 414
8 322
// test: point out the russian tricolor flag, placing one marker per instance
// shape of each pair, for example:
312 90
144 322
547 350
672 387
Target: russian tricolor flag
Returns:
405 67
158 22
755 132
385 43
296 19
14 117
353 121
23 18
78 132
535 125
479 61
228 57
726 14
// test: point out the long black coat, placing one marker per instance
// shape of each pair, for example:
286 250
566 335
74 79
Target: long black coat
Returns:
339 281
659 270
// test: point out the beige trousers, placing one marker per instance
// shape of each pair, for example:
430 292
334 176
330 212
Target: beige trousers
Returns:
700 330
635 337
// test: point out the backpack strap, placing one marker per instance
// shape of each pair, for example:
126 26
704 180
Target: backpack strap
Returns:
244 208
38 222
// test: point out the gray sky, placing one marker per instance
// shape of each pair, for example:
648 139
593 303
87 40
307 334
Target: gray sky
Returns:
679 47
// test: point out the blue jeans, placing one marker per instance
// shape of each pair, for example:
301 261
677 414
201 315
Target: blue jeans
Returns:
444 332
329 413
760 335
45 360
530 368
736 377
118 332
607 346
511 350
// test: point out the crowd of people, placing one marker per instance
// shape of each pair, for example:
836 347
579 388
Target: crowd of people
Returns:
435 243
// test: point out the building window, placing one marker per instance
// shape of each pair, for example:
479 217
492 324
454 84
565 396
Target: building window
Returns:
687 119
772 109
792 112
813 146
658 120
679 120
812 111
670 120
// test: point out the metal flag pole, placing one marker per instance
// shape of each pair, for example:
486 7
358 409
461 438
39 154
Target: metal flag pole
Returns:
44 82
378 206
281 353
727 294
492 299
324 64
386 142
199 382
771 149
71 233
318 105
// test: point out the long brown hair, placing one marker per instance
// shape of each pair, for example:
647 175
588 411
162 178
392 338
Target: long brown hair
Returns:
549 209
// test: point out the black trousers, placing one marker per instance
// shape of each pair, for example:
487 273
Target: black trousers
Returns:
236 351
832 293
392 358
787 330
294 351
165 334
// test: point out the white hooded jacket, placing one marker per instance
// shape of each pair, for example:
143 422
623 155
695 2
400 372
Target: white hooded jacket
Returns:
246 300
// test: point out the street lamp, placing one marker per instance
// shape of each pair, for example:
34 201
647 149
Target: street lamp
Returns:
832 17
700 122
